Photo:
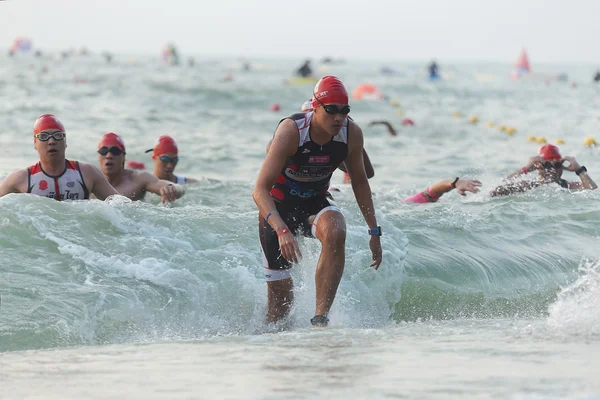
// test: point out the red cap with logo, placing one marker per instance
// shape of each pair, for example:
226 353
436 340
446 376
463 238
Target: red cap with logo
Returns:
112 139
163 145
550 152
47 121
329 90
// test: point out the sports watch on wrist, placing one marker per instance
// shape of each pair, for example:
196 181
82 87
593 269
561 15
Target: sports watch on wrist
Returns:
581 169
375 231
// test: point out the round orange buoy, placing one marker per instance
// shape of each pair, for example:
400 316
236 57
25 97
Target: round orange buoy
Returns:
366 90
275 107
136 165
407 121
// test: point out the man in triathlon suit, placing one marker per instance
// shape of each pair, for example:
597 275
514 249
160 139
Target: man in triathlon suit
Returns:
165 159
437 190
291 194
54 176
307 107
550 166
130 183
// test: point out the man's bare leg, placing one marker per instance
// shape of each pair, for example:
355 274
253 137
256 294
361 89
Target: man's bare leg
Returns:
281 297
331 231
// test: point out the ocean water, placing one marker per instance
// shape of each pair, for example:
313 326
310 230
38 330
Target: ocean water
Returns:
477 297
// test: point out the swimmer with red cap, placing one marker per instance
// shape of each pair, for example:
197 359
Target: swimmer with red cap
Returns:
130 183
54 176
550 165
165 158
307 107
291 193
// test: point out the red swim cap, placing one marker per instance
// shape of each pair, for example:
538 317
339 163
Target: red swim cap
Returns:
112 139
329 90
47 121
136 165
550 152
163 145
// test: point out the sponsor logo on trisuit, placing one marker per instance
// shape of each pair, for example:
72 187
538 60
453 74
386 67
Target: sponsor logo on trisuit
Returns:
318 159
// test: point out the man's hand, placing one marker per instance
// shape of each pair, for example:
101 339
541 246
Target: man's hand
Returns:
573 164
168 193
289 247
375 245
467 185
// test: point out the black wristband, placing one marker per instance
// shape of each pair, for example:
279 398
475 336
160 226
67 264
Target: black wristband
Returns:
581 169
454 183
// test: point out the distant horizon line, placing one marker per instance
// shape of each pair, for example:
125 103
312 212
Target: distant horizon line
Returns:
282 57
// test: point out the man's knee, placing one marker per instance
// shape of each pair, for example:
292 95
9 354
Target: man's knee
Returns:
335 234
329 225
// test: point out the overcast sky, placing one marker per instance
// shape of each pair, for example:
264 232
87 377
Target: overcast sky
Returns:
559 31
